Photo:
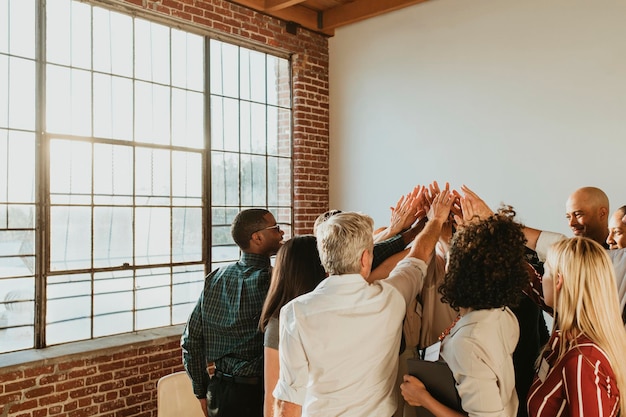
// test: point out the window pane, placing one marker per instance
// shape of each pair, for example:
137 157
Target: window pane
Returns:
4 24
16 266
187 234
253 181
113 107
81 35
70 168
224 124
68 308
152 235
152 52
278 82
253 128
70 246
153 176
224 178
68 35
58 31
112 42
153 292
223 215
187 177
4 89
278 131
21 27
224 69
21 93
187 60
221 235
253 76
187 118
21 217
113 303
17 314
20 161
68 101
152 113
113 236
113 174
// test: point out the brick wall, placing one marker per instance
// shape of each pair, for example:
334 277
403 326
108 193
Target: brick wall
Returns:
111 382
121 381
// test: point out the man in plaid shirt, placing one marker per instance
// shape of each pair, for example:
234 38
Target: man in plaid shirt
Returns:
224 326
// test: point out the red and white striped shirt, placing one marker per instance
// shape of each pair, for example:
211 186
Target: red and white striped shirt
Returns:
581 384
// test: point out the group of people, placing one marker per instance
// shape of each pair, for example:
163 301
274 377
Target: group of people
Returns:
328 329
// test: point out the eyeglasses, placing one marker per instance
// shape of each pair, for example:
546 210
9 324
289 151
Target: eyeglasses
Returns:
276 226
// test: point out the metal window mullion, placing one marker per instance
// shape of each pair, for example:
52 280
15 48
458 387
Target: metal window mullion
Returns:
134 179
93 174
171 301
42 163
207 201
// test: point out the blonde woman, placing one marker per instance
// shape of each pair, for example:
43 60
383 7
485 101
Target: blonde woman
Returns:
582 369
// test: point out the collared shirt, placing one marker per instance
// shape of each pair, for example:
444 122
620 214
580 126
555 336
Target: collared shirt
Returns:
224 326
581 383
479 352
339 343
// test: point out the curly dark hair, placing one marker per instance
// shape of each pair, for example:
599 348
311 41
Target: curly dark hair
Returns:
487 267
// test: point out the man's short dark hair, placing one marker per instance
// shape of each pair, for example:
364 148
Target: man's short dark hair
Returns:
245 223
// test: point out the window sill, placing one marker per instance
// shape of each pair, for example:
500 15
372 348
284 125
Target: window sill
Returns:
87 348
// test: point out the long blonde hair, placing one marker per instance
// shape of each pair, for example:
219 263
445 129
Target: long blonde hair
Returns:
587 303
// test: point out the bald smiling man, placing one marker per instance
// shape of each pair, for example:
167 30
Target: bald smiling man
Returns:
587 213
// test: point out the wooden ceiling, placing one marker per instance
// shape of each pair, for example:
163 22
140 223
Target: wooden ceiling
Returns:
325 15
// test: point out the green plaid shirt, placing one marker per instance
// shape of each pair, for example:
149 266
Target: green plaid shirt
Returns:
386 248
224 326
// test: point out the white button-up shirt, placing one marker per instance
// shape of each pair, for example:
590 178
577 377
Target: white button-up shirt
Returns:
339 344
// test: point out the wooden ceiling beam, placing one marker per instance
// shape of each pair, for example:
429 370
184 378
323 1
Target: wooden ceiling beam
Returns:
274 5
301 15
360 10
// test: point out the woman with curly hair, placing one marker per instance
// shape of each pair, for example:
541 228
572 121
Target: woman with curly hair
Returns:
582 370
486 274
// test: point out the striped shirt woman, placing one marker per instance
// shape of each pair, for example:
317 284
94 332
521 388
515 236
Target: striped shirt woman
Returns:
581 383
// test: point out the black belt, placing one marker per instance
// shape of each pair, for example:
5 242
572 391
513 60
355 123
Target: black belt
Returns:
249 380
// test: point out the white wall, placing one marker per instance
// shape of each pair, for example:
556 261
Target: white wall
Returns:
522 101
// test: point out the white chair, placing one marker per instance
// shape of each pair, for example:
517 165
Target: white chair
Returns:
175 397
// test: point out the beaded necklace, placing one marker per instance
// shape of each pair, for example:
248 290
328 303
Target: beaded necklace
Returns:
449 328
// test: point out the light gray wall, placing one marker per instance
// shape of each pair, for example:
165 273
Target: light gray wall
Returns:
522 101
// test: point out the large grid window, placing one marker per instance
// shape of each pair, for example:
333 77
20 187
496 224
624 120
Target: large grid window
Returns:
127 148
250 140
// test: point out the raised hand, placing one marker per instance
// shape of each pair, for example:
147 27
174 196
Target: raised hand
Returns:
473 207
441 205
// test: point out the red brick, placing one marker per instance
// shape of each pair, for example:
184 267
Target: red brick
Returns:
77 373
83 392
11 376
70 365
40 413
20 385
99 378
51 379
22 406
41 370
39 392
53 399
84 412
